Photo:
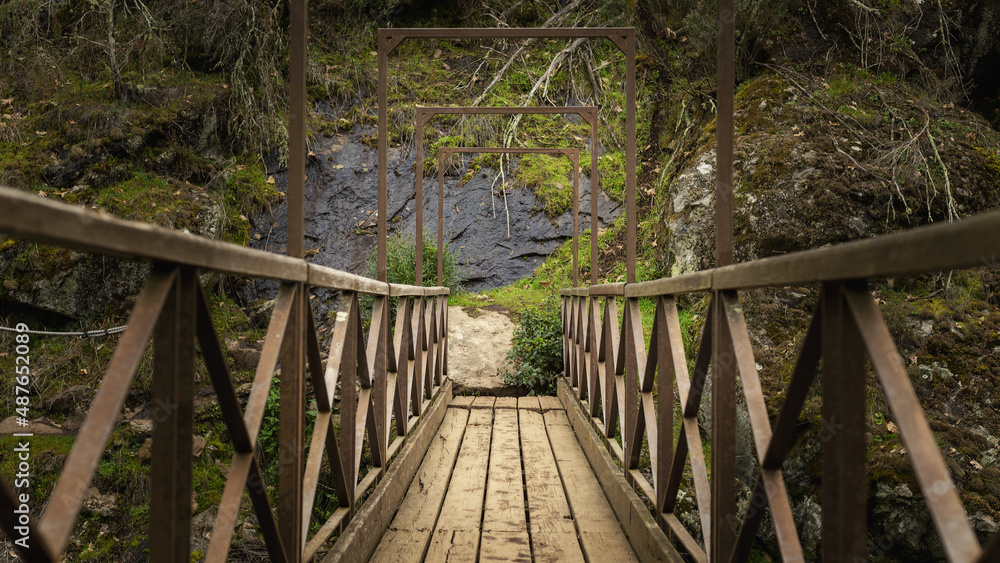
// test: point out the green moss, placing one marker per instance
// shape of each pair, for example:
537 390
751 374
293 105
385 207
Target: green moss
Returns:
551 178
612 168
991 158
247 191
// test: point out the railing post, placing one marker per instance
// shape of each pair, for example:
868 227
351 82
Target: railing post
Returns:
172 412
418 241
377 358
665 376
593 343
843 432
724 519
291 433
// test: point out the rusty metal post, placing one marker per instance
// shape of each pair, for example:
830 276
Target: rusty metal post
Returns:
440 221
172 412
576 220
630 158
291 434
419 240
845 531
384 47
298 36
723 513
724 135
723 361
595 189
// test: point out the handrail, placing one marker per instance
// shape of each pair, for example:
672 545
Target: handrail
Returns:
44 221
941 246
384 377
628 389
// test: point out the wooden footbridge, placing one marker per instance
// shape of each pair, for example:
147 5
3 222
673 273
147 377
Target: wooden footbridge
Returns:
422 475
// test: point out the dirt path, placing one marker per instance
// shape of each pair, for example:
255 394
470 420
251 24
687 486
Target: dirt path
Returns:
477 347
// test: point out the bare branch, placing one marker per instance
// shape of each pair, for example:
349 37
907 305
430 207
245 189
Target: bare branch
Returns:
556 18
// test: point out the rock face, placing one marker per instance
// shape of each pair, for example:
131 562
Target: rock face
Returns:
690 217
805 180
341 206
77 284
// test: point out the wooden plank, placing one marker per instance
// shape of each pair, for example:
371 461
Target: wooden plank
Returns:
483 402
361 537
506 403
505 529
687 283
549 403
410 531
530 403
462 402
456 535
400 290
601 536
321 276
553 533
644 534
453 546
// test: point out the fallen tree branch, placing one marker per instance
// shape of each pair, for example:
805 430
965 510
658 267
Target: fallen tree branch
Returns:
556 18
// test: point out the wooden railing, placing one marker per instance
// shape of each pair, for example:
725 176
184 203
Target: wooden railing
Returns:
628 390
385 378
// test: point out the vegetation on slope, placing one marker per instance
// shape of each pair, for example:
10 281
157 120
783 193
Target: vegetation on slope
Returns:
164 111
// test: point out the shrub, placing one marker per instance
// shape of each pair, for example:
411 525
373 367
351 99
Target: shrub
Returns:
536 354
401 256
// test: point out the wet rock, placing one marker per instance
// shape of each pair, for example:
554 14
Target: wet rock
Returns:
75 284
341 216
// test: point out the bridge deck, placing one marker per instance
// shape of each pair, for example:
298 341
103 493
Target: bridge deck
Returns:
504 480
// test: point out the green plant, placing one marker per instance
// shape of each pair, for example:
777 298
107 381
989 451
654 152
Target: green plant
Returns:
401 256
536 354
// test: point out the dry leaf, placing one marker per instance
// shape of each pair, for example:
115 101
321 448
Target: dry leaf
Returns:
41 193
270 180
437 53
891 426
